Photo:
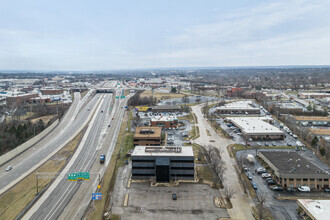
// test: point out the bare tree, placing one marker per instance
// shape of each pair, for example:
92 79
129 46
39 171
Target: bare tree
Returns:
261 199
136 121
228 192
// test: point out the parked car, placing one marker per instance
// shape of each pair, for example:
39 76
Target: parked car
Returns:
267 179
288 144
304 189
9 168
261 171
258 143
266 144
245 168
273 143
254 185
249 176
291 190
271 182
265 175
248 144
277 188
327 190
174 197
303 148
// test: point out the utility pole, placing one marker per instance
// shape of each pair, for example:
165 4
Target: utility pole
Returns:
37 182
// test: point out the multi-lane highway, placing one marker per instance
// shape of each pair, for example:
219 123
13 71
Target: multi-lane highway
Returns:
53 203
30 159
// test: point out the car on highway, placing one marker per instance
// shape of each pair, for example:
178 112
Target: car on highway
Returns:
9 168
174 197
102 158
291 190
109 125
304 189
101 111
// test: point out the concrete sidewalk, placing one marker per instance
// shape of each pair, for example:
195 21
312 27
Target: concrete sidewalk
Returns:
241 203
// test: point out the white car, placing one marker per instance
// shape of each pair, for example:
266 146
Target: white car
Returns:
9 168
304 189
265 175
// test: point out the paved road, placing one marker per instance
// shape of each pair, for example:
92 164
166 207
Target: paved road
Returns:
82 198
56 201
241 203
59 199
31 157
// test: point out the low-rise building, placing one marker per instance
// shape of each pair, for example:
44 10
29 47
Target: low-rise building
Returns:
257 128
311 120
164 121
320 133
51 91
163 163
314 209
240 107
314 95
166 108
21 99
290 169
147 136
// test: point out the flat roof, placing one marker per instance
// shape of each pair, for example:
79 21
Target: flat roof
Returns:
164 118
165 107
240 105
325 132
311 118
317 209
255 125
182 151
157 132
290 162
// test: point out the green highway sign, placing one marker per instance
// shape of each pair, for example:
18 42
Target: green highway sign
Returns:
122 97
78 176
117 97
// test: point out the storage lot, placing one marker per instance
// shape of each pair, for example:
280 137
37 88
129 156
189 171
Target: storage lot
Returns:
194 201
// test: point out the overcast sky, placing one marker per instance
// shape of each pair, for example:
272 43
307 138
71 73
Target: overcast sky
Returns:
122 34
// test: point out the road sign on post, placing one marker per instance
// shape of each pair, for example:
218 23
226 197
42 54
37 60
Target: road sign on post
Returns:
96 196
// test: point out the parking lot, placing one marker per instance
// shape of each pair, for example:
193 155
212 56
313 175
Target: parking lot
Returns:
234 132
281 209
194 201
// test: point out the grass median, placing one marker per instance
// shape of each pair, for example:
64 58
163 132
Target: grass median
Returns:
13 201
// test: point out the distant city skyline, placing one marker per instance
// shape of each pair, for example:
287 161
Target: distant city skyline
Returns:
109 35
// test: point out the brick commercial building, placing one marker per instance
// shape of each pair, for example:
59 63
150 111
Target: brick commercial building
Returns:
290 169
148 136
314 95
165 121
21 99
163 164
51 91
166 108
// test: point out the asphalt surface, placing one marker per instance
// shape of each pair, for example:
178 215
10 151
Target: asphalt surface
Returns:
53 206
80 201
31 157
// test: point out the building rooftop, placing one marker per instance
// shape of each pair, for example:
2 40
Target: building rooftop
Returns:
238 105
164 151
255 125
167 107
317 209
325 132
290 162
164 118
142 132
311 118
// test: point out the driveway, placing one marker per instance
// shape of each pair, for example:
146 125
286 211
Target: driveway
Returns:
241 203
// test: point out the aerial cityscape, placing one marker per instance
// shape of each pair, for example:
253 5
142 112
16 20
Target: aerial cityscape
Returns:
165 110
